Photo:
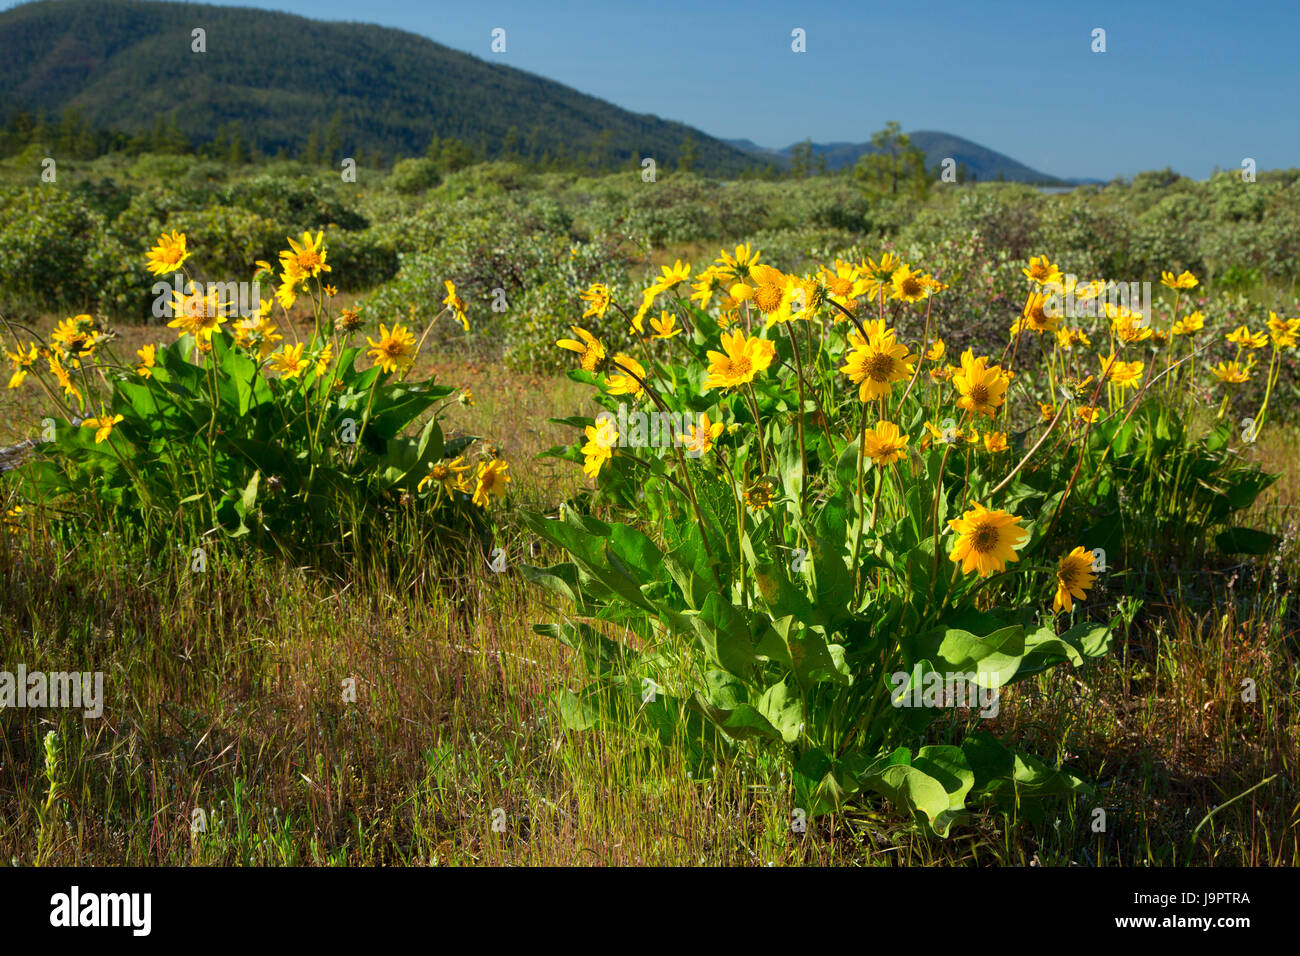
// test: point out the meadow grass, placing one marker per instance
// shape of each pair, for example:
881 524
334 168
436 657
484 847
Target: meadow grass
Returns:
226 694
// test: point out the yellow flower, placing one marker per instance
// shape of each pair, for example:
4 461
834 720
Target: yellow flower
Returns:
665 326
761 493
168 255
1128 326
769 288
1042 272
995 442
23 362
876 362
740 360
982 387
1283 331
323 358
986 540
289 362
1087 414
257 335
597 299
590 350
877 276
601 439
1184 281
672 276
198 314
287 293
393 349
1123 374
738 266
1046 412
1069 338
625 380
1034 317
702 436
76 338
1230 373
936 350
908 285
61 374
1189 324
447 473
103 425
1073 579
459 310
491 480
148 359
1242 337
307 257
884 444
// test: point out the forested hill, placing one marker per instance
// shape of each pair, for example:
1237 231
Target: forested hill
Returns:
283 82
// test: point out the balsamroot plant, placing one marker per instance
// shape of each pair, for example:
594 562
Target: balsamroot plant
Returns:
243 427
816 536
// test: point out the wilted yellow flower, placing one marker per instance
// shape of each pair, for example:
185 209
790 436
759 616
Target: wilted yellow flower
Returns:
256 334
936 350
459 310
761 493
597 298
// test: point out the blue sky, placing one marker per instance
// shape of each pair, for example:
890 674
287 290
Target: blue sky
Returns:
1189 85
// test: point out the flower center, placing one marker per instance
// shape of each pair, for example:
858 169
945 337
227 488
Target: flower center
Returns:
879 366
985 539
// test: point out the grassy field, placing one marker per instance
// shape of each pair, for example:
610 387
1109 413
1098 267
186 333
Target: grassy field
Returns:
229 736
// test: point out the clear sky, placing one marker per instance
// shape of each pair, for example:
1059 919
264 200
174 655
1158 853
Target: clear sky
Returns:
1190 85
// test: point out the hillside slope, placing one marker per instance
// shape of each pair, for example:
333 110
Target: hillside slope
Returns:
125 63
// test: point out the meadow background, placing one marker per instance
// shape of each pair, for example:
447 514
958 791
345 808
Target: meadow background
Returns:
224 687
